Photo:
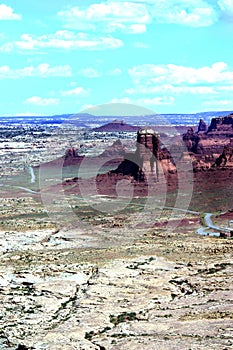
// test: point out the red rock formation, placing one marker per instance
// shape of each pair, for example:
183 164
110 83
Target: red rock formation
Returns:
202 127
116 149
140 168
116 125
143 164
71 153
114 152
226 155
221 126
191 140
214 147
150 160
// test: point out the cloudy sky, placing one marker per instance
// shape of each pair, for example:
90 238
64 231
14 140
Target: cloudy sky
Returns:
171 56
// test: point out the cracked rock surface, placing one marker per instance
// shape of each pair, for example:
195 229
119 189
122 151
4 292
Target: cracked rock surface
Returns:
134 297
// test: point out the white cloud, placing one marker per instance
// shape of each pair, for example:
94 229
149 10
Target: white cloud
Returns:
154 101
7 13
39 101
63 39
108 17
78 91
217 103
228 88
192 13
25 114
21 114
141 45
122 100
171 89
43 70
86 107
115 72
170 78
195 13
137 28
226 7
90 72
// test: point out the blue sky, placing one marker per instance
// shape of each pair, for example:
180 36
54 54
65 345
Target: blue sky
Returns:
173 56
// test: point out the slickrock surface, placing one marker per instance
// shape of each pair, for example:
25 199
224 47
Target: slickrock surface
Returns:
160 292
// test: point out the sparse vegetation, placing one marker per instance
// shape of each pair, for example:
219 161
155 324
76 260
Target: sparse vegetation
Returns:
125 316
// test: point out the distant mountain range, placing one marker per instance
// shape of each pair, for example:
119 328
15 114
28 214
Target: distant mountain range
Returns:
85 120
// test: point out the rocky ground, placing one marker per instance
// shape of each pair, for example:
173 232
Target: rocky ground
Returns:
160 291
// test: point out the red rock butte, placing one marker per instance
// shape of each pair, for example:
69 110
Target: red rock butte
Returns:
209 153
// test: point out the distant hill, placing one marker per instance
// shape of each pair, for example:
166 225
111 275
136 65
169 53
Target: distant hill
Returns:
116 125
85 120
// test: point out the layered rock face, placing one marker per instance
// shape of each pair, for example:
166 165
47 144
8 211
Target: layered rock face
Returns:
221 126
148 148
148 165
149 157
213 147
